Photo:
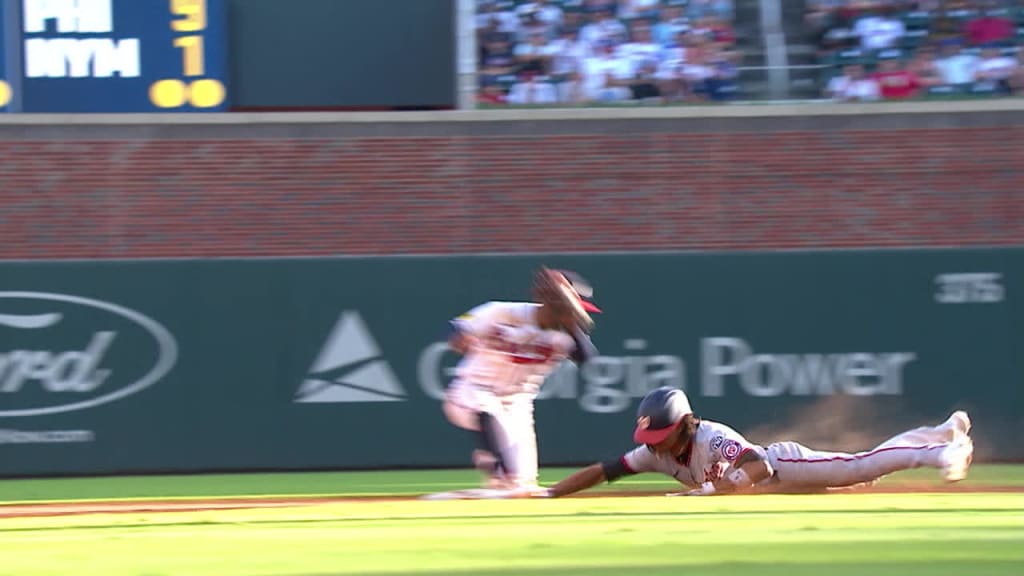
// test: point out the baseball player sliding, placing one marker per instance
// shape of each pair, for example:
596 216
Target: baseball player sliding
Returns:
712 458
508 349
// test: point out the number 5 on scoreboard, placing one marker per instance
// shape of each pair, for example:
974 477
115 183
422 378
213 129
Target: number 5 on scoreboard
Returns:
193 15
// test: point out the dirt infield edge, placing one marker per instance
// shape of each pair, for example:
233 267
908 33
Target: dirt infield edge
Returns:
28 510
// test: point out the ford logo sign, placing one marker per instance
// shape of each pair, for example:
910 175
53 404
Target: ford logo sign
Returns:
61 353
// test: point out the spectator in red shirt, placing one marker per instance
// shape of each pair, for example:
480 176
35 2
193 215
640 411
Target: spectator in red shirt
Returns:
894 81
988 29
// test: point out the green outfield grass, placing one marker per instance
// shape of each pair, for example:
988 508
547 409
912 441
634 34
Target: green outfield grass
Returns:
835 535
368 483
927 534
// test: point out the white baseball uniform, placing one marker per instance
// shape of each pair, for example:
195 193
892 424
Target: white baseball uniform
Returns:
501 373
716 446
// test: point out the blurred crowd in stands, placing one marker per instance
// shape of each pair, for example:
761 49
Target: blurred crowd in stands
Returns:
896 49
552 52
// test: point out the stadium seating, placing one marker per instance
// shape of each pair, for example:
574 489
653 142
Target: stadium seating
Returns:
631 41
944 28
585 39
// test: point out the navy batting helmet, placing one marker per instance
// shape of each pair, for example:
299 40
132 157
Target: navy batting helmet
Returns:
659 412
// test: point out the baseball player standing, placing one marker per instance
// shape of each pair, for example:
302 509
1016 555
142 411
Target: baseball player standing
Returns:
508 349
712 458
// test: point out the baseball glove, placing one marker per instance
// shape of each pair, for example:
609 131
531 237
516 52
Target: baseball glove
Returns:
554 288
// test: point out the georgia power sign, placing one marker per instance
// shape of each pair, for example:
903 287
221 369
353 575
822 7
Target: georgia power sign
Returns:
61 353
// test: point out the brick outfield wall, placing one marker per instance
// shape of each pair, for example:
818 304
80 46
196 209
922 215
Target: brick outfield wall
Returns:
608 189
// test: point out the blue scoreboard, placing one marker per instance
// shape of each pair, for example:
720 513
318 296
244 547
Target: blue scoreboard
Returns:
70 56
6 94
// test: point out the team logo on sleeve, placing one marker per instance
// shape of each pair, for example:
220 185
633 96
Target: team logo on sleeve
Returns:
716 442
731 449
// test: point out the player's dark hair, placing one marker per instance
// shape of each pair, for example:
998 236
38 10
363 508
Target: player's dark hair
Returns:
689 425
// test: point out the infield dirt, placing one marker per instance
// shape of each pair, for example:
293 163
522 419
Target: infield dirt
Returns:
25 510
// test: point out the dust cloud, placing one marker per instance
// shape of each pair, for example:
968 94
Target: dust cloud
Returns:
838 423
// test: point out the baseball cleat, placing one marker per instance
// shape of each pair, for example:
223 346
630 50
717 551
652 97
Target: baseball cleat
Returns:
469 494
961 421
958 424
956 459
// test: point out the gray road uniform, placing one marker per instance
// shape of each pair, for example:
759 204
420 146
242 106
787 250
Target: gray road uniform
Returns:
716 447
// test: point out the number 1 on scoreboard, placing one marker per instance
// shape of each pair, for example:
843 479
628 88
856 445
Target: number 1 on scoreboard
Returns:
192 53
192 19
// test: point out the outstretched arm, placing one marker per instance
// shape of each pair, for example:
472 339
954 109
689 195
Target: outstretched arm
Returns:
608 471
580 480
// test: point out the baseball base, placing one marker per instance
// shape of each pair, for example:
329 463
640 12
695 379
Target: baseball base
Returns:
471 494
